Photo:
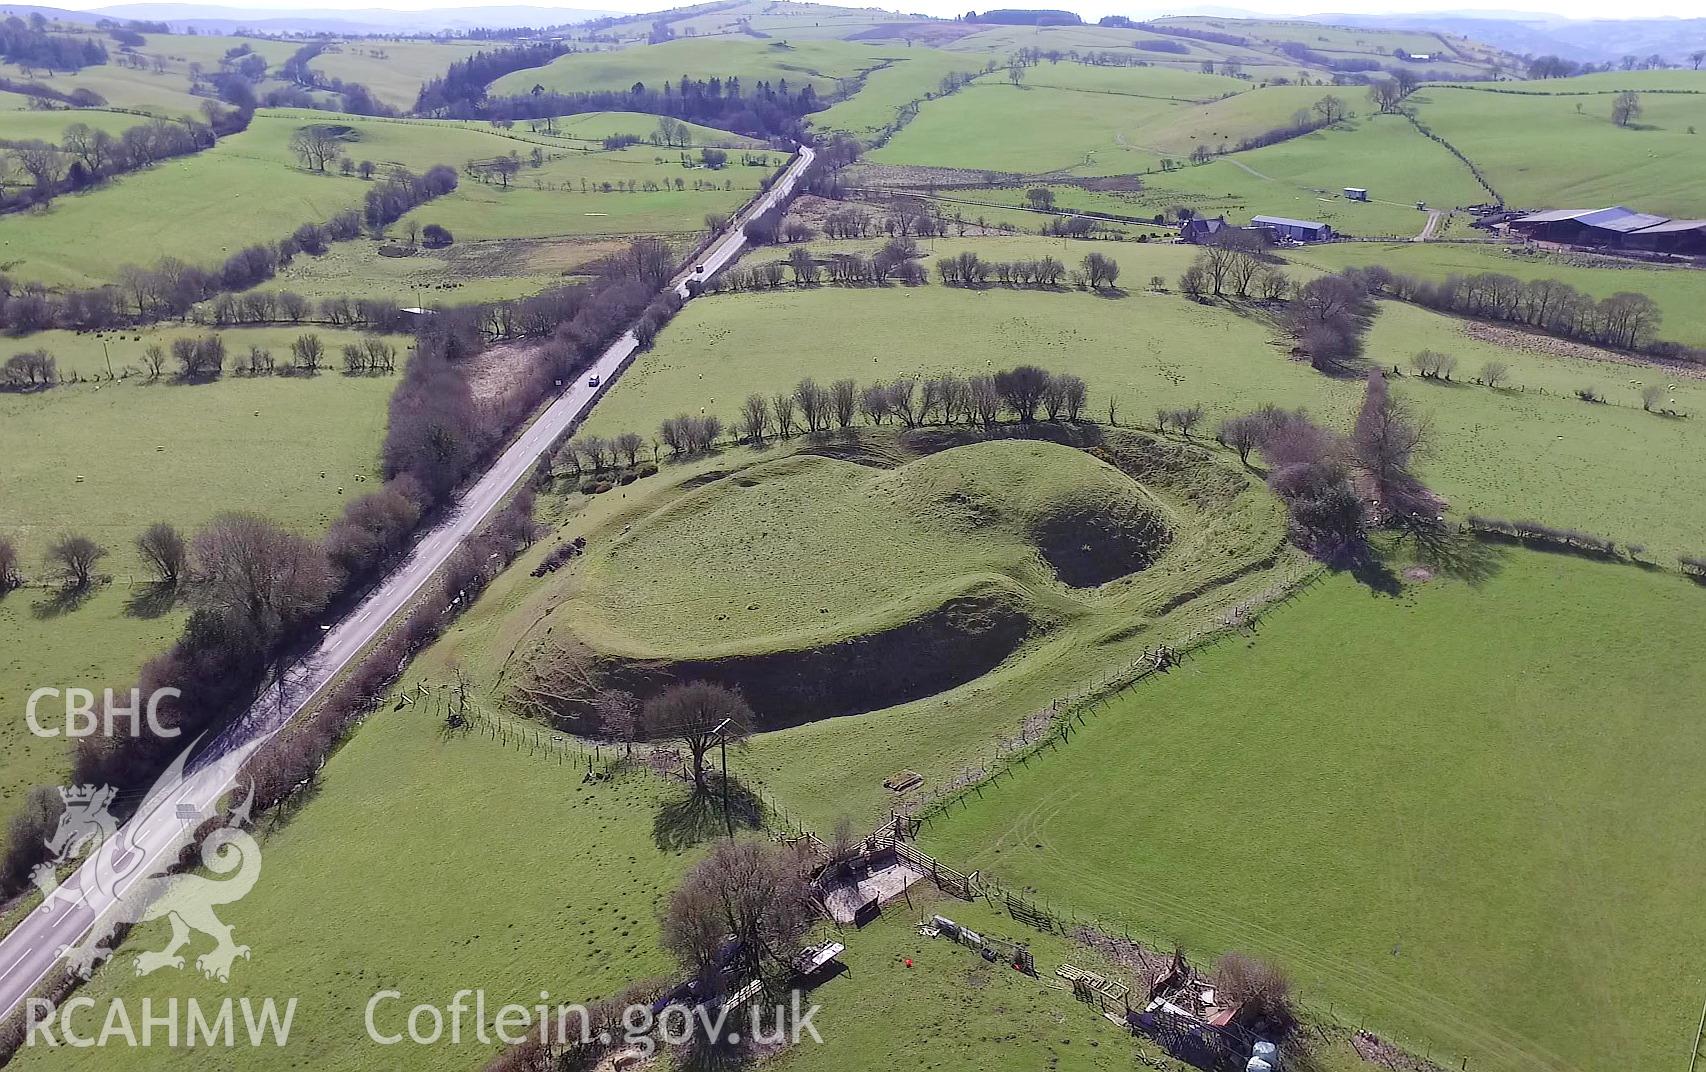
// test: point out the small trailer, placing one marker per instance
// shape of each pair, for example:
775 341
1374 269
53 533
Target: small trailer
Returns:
1356 193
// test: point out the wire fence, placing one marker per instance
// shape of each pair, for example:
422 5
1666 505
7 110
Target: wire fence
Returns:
1055 724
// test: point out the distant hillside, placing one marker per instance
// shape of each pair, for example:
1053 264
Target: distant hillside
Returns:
1586 40
215 19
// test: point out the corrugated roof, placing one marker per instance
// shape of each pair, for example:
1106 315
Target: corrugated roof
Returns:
1622 220
1556 215
1671 226
1283 221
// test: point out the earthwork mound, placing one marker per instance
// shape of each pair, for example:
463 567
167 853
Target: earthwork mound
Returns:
864 571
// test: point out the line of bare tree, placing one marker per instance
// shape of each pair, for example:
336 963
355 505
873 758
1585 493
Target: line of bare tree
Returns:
1626 320
1025 393
1234 263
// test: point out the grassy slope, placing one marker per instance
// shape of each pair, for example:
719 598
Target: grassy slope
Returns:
1609 468
596 126
1677 290
394 70
250 189
821 63
912 75
1539 151
166 94
1305 178
1000 127
1458 811
836 766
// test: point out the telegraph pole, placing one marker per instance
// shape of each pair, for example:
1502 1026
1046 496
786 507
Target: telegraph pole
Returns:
723 746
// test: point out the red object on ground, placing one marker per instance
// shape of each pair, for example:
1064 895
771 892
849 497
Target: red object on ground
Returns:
909 962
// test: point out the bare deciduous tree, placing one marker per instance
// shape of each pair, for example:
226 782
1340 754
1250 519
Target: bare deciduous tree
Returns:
844 402
619 717
1388 436
164 552
783 404
72 558
755 418
9 578
690 715
250 569
753 893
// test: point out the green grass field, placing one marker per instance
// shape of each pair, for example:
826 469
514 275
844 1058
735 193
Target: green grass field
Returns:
594 127
1455 812
1554 151
1676 290
156 93
414 881
1612 469
109 460
999 127
98 643
50 126
1305 178
911 76
821 63
250 188
393 70
100 471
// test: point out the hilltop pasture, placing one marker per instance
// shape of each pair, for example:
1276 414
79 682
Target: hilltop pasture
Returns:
1558 149
393 70
823 65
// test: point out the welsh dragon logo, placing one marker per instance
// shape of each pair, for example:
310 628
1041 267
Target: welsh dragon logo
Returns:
187 901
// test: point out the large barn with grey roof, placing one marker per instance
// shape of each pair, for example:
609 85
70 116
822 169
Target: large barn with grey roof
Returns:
1616 227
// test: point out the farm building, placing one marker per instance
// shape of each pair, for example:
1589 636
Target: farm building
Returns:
1356 193
1615 227
1202 228
1296 230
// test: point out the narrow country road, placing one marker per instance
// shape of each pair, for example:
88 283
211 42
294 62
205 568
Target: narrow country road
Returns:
1430 228
34 946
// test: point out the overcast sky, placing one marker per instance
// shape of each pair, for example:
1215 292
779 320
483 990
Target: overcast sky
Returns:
1089 8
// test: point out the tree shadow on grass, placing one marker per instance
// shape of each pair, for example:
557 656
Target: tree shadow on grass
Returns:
696 816
61 601
1459 554
151 600
1370 570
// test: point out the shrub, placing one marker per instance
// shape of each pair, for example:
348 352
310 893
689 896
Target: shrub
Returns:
434 236
1251 982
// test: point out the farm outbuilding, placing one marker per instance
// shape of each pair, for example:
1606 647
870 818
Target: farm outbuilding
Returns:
1356 193
1615 227
1202 228
1296 230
